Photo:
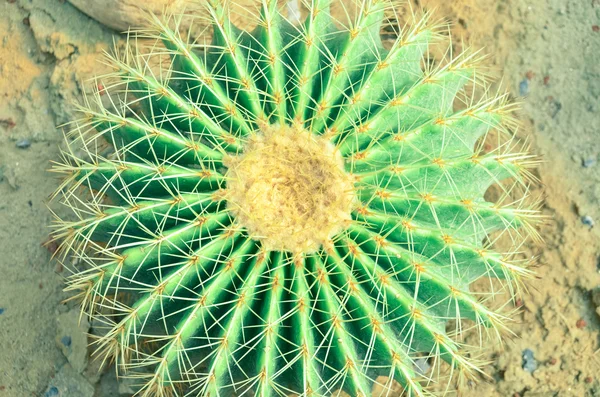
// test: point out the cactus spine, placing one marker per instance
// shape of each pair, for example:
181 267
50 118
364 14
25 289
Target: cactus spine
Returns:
293 210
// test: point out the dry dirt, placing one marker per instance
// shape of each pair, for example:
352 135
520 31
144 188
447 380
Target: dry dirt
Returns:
547 53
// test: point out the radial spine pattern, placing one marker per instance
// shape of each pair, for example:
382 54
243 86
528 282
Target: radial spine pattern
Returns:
295 210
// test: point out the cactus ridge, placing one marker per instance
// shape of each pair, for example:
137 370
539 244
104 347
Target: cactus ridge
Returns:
372 271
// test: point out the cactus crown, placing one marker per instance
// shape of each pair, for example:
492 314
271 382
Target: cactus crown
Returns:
293 210
289 189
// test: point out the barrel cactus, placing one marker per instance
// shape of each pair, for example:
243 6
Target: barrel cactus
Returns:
294 210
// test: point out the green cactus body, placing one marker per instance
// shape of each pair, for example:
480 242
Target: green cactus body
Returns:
293 210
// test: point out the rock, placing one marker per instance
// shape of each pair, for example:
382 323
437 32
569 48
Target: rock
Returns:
122 15
93 371
66 341
588 162
58 30
108 384
56 43
524 87
23 143
588 221
71 338
529 361
8 174
555 107
52 392
69 383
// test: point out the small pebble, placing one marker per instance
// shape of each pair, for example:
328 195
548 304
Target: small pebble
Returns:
519 302
580 323
101 89
66 340
552 361
588 379
587 163
529 362
51 245
23 143
52 392
555 106
524 87
587 220
546 80
8 123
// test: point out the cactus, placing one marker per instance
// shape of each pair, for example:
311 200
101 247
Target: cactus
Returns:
295 210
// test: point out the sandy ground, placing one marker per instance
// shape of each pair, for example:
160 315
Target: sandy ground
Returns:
546 51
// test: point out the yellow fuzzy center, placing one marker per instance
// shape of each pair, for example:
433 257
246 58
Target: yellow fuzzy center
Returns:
289 189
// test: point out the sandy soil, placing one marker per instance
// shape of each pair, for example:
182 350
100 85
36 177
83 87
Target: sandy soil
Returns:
546 51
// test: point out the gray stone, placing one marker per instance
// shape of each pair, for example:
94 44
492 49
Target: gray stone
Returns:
8 174
69 383
23 143
108 384
587 220
588 162
529 361
524 87
71 338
